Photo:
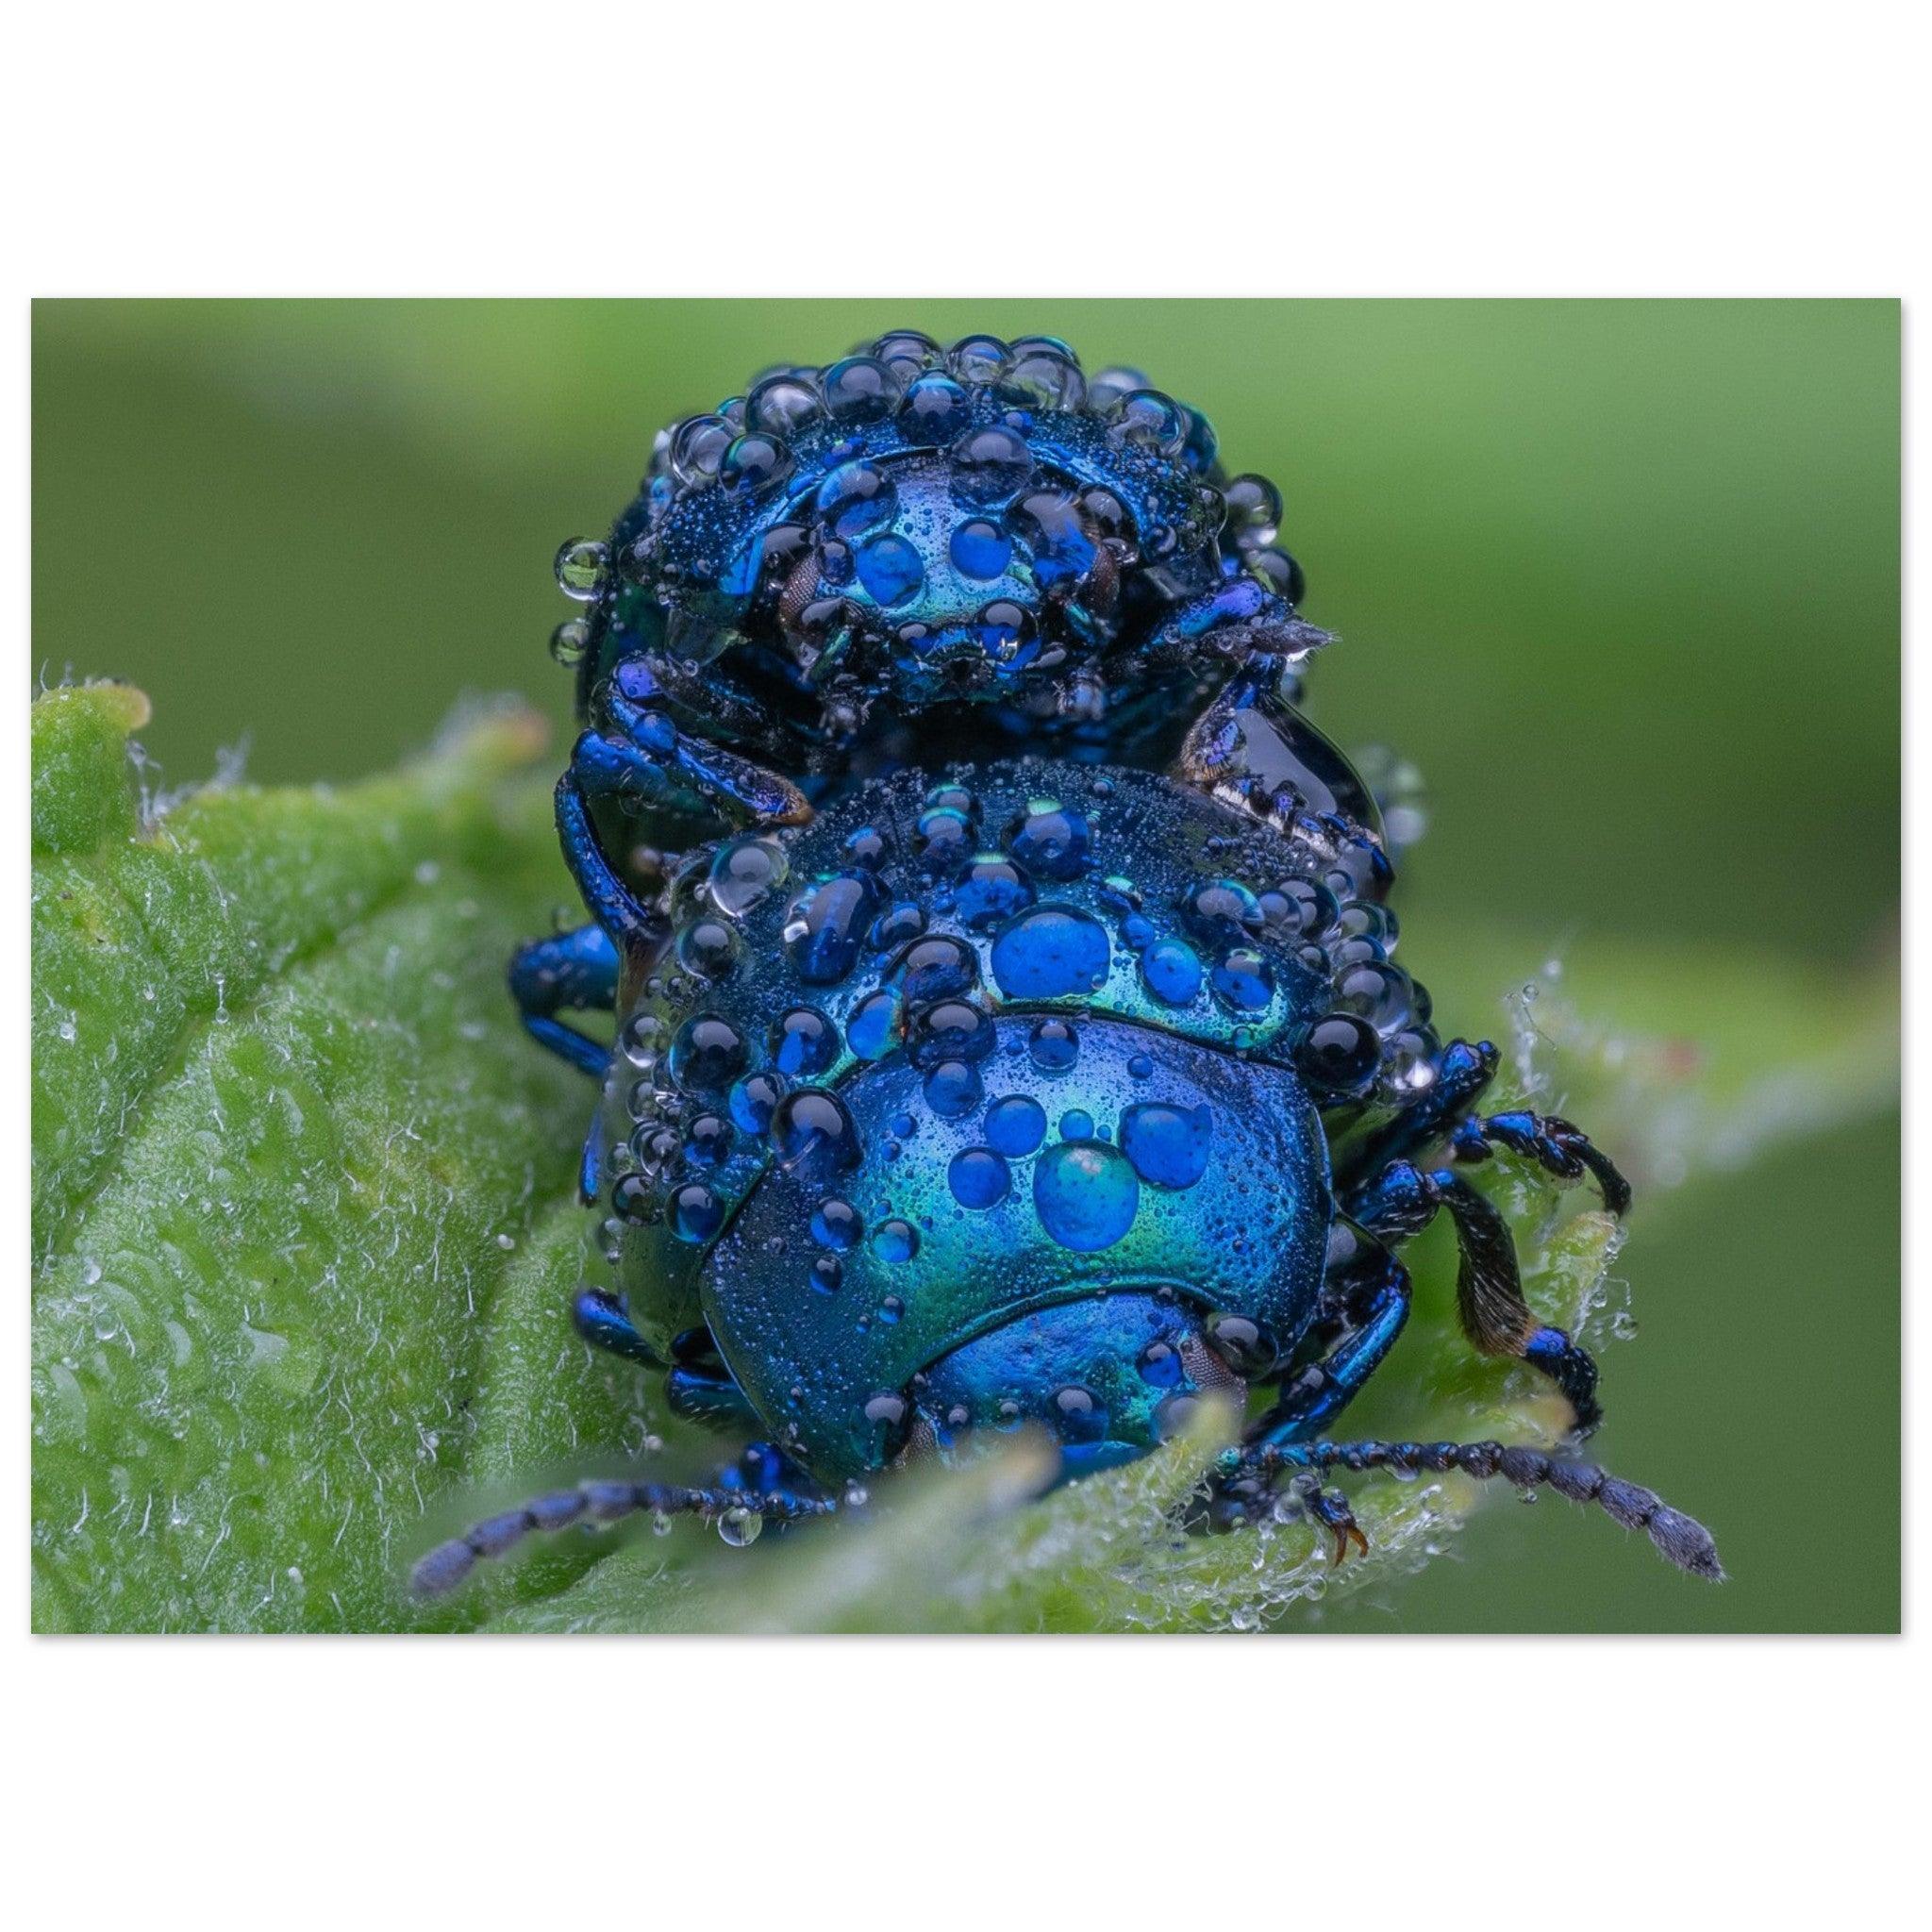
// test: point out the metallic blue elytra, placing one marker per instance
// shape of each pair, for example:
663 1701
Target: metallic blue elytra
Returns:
1006 1029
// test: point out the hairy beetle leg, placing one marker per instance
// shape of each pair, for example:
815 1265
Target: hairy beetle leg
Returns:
1680 1540
1402 1200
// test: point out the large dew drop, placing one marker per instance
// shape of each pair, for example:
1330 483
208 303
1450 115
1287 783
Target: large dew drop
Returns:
1050 951
1086 1194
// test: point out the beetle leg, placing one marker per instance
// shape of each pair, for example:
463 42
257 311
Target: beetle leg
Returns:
646 755
576 971
612 903
1679 1539
603 1321
707 1395
601 1502
1369 1292
1554 1145
1462 1071
1402 1200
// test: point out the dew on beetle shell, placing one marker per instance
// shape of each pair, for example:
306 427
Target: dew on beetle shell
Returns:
1171 970
803 1042
814 1136
835 1223
953 1088
581 566
1167 1145
895 1240
1016 1125
1086 1194
1054 1045
828 925
746 873
979 1177
1049 953
872 1030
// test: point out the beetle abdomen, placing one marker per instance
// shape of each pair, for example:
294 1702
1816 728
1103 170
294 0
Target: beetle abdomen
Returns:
915 927
1078 1160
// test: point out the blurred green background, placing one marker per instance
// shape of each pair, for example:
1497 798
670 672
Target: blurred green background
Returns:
1622 577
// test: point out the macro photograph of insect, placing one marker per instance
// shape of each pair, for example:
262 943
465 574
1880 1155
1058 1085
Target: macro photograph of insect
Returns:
1073 966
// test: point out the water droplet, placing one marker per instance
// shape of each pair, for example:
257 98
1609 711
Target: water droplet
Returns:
754 1099
1146 418
890 569
783 405
1077 1416
895 1240
581 564
707 1053
873 1029
1016 1125
952 1029
1049 953
813 1135
1171 970
835 1225
860 390
953 1090
1167 1145
937 968
709 947
746 873
1244 1345
753 462
855 498
935 409
979 1177
1160 1365
981 549
1076 1124
695 1213
568 642
739 1526
1225 913
827 1275
1054 1045
990 465
697 449
990 890
803 1042
1086 1194
1243 981
827 924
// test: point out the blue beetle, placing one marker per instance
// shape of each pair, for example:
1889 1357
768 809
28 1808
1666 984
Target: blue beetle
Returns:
1008 1032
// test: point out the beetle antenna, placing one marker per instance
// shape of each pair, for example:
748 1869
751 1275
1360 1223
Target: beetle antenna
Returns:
1679 1539
449 1564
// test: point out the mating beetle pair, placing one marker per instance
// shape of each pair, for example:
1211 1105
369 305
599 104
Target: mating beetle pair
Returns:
1008 1032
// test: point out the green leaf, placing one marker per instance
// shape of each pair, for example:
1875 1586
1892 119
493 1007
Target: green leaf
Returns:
300 1189
305 1237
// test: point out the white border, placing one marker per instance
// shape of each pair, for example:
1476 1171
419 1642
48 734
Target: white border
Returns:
1640 149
